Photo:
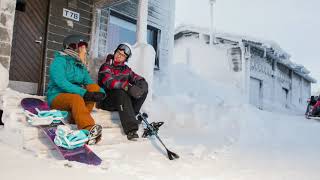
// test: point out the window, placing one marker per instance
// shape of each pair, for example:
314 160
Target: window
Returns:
206 38
123 29
235 55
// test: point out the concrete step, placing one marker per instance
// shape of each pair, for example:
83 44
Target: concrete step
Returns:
106 119
18 133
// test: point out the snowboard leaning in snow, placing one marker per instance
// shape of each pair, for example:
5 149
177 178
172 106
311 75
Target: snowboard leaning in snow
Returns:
82 154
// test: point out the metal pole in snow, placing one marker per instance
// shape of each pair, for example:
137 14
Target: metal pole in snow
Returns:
212 34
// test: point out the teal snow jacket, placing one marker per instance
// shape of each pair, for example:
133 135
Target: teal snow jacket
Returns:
67 75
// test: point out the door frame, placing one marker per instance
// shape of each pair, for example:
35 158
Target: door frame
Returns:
32 87
41 85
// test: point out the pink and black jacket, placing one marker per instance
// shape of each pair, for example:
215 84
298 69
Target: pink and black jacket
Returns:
116 76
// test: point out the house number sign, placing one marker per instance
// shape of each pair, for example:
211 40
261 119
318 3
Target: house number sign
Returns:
71 14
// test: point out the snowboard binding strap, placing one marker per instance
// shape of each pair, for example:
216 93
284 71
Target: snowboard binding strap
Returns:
45 117
70 139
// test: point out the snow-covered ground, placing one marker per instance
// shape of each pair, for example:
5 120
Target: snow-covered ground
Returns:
216 134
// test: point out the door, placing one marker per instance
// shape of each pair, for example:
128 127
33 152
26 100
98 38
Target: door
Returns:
256 92
27 45
284 97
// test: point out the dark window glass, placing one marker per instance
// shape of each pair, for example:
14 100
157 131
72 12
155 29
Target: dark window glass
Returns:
124 30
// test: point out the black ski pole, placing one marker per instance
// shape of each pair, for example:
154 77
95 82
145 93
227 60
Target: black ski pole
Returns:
171 155
153 131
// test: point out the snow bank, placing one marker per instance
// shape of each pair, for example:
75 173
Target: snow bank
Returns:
141 63
200 109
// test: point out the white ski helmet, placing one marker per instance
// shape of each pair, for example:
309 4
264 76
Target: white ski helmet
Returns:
126 47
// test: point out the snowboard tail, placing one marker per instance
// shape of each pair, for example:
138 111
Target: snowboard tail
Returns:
82 154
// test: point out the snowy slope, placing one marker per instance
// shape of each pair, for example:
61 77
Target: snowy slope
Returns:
217 136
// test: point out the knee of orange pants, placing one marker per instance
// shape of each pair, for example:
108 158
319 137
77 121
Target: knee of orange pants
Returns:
74 103
81 113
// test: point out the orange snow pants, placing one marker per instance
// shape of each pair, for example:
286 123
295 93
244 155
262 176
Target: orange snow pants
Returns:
80 110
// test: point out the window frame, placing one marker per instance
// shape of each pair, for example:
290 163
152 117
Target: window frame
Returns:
156 31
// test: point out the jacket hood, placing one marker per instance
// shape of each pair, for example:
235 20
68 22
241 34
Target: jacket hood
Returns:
61 54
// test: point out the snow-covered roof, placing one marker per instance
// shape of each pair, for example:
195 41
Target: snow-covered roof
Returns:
266 44
270 47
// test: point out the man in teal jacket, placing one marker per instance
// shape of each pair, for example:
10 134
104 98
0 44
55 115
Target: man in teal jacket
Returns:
71 87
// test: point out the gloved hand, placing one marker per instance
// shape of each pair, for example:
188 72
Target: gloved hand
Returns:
135 91
143 85
94 96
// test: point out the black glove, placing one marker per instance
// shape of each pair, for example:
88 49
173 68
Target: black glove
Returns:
135 91
94 96
143 85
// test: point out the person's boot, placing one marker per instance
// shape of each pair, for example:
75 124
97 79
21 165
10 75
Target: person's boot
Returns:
95 134
132 136
315 111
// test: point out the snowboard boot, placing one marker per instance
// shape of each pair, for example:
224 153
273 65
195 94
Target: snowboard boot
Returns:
132 136
95 134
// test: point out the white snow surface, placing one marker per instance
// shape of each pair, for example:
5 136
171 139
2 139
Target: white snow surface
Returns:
216 134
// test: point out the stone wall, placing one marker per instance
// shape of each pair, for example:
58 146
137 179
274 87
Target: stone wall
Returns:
7 12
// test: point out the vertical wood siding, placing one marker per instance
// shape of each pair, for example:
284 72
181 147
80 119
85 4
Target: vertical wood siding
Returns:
26 54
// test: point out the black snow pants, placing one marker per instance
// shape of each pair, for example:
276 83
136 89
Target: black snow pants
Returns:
127 106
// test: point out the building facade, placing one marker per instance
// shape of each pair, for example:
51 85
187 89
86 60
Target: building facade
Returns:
31 31
261 70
